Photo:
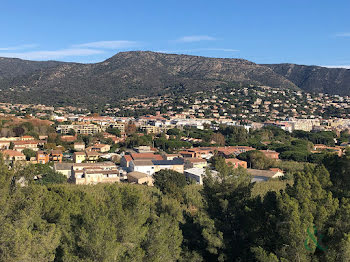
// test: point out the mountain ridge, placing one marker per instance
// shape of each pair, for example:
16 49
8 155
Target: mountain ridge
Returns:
134 73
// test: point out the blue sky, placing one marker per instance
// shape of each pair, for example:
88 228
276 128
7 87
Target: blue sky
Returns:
263 31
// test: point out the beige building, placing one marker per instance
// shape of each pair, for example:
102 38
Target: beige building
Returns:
84 129
195 163
92 156
4 144
140 178
63 168
79 146
79 157
119 125
93 173
177 164
102 148
21 145
95 176
13 155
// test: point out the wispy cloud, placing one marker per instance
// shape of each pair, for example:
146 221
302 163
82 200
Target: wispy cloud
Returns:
53 54
198 50
118 44
18 47
337 66
195 38
346 34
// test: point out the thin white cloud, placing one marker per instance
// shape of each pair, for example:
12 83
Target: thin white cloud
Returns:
119 44
198 50
18 47
195 38
347 34
337 66
54 54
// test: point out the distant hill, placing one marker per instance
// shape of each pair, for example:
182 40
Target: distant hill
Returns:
14 67
315 78
138 73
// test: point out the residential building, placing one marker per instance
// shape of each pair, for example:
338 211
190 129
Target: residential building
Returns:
177 164
197 174
68 138
4 144
140 178
143 149
93 173
92 156
170 156
27 138
85 129
79 157
143 166
195 163
270 154
229 151
63 168
96 176
56 156
27 144
102 148
119 125
42 157
13 155
125 161
235 163
79 146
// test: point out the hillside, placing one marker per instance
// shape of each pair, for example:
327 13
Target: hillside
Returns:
14 67
134 73
128 74
315 78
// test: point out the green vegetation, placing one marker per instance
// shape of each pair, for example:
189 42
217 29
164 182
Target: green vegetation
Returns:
113 131
29 153
274 185
226 219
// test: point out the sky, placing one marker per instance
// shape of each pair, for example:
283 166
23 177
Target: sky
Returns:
263 31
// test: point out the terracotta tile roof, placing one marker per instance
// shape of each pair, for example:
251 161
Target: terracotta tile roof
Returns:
12 153
233 160
142 162
128 158
146 156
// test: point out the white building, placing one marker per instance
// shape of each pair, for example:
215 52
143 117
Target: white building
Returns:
143 166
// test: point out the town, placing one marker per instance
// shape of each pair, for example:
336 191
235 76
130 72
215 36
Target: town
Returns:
183 135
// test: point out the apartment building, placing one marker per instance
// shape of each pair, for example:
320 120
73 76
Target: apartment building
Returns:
84 129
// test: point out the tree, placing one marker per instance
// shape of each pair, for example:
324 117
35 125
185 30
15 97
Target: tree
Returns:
256 159
170 182
29 153
218 138
227 196
71 132
113 131
173 132
19 131
130 128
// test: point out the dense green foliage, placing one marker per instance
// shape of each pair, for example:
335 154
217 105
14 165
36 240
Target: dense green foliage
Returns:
226 219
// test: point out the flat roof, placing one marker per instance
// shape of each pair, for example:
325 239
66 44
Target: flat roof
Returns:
137 175
63 166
